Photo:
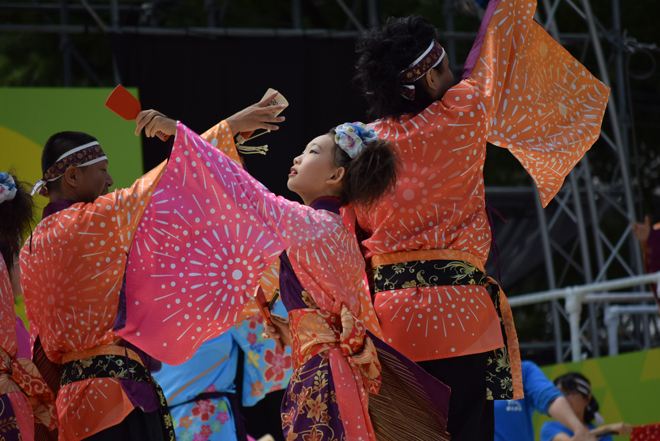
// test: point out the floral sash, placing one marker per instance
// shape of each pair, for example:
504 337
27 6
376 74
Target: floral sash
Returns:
353 362
21 375
318 331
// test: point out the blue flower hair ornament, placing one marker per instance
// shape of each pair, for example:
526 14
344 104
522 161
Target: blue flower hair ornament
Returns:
354 137
7 187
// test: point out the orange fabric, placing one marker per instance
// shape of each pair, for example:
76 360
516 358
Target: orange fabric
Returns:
526 94
317 331
72 272
101 350
505 308
221 137
8 340
19 378
21 375
512 344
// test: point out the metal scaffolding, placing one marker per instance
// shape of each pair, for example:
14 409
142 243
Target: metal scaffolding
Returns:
585 201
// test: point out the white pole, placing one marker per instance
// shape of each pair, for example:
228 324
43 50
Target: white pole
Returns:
574 309
612 323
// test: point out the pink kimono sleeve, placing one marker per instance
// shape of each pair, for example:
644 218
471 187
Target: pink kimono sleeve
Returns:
208 234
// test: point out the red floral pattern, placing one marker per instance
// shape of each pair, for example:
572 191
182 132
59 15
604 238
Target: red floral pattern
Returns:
278 363
206 431
204 410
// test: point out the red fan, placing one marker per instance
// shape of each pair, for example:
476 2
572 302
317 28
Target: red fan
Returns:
264 306
127 106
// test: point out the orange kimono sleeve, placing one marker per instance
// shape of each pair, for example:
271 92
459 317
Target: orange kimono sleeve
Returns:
540 102
221 137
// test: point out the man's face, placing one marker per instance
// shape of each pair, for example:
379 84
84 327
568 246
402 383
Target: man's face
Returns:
94 181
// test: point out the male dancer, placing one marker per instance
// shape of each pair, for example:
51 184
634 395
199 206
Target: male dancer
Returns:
72 272
428 242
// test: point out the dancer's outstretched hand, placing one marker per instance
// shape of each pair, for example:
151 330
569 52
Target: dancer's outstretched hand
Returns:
152 121
257 116
280 329
642 231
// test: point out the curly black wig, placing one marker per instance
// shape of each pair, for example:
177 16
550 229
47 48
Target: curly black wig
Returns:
384 52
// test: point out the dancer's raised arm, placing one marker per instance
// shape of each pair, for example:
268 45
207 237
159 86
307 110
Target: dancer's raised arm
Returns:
539 101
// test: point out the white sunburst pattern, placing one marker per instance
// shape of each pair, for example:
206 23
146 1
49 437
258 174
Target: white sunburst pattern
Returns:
206 238
72 270
525 93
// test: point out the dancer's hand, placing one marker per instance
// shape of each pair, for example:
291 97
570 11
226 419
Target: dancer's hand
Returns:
642 231
257 116
583 434
619 428
279 329
152 121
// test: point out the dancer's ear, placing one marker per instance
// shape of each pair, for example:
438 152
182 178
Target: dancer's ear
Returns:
337 176
432 82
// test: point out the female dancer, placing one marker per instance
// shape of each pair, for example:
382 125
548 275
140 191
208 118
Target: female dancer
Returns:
216 242
24 396
429 240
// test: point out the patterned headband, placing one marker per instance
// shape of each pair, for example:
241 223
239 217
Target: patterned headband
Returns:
425 62
86 154
353 137
7 187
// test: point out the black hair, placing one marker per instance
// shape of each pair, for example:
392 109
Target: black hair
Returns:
370 175
567 383
384 52
59 144
16 218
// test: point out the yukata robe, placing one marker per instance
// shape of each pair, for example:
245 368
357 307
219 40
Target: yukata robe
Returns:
189 283
72 273
24 395
201 392
521 91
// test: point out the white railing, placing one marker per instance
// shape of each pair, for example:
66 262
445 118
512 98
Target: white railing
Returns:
576 296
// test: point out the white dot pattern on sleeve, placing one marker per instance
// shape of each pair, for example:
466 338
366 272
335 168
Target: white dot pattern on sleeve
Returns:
208 234
525 93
